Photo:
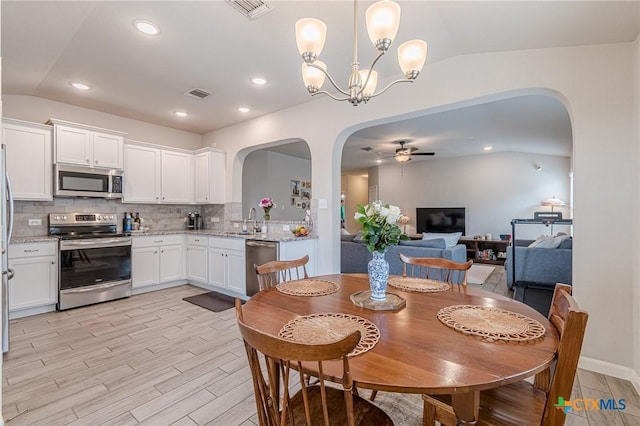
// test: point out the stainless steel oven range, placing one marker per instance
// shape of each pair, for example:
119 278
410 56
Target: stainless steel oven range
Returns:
95 260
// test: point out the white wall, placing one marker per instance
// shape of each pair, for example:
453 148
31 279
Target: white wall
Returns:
39 110
493 188
269 174
595 83
636 228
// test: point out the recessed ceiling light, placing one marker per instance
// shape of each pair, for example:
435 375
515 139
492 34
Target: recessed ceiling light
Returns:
488 148
378 161
146 27
243 109
181 113
79 86
259 81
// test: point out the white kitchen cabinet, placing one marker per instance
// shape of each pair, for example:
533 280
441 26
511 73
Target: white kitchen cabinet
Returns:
295 249
157 260
177 177
227 264
209 174
197 258
83 145
141 174
153 175
34 287
29 159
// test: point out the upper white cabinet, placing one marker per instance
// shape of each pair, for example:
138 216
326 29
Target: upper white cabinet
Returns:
210 177
141 174
87 146
153 175
29 159
177 177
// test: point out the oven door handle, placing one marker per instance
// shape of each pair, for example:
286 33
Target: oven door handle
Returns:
95 287
103 243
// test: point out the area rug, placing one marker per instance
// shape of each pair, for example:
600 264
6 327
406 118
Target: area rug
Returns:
479 273
212 301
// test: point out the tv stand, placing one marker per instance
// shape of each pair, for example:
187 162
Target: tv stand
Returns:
493 252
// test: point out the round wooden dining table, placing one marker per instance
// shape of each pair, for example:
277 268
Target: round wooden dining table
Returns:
416 352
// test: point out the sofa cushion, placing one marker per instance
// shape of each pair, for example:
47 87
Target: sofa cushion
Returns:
450 238
434 243
344 237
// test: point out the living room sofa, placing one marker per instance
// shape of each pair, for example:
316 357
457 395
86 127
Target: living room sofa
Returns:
537 272
354 255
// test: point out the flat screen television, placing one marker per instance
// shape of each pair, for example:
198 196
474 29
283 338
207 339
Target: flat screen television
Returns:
440 219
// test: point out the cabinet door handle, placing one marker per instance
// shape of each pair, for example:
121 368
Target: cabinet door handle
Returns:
87 160
31 250
159 241
96 161
53 263
161 251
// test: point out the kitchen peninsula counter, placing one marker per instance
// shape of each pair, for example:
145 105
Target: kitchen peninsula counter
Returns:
224 234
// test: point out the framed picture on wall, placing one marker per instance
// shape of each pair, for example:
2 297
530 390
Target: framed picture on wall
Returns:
295 188
293 201
305 194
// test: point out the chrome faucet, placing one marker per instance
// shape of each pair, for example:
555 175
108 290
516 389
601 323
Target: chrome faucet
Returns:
252 216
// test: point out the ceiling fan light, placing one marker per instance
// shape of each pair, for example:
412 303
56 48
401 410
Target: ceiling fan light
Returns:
370 87
412 55
312 77
383 20
403 157
311 34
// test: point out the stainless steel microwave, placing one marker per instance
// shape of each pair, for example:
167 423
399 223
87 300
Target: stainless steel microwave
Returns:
84 182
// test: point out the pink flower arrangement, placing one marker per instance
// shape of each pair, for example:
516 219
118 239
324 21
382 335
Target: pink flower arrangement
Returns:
267 204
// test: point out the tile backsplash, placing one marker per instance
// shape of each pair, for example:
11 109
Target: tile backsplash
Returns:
154 216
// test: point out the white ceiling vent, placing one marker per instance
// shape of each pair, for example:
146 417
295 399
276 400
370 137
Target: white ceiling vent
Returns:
252 9
198 93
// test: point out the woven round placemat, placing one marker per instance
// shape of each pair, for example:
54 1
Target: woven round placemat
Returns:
307 287
330 327
420 285
491 323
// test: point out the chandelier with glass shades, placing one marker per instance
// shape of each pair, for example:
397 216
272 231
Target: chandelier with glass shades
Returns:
383 20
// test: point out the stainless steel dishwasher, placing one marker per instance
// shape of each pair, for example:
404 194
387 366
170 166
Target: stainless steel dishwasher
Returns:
258 252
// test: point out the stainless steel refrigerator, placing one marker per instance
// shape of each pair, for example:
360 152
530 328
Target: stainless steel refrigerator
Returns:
6 217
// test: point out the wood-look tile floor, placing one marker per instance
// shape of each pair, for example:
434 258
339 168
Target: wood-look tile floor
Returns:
155 359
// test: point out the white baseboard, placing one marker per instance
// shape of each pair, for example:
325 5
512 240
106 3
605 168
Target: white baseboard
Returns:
146 289
610 369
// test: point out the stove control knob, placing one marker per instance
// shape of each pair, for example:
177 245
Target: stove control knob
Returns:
56 218
100 218
64 218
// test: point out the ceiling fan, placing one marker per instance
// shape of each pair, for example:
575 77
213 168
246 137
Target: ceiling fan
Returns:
404 154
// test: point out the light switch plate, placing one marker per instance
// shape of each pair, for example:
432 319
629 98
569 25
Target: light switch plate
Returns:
322 203
35 222
236 225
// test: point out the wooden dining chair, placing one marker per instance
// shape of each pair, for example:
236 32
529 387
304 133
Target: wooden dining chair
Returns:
435 268
317 404
523 403
277 271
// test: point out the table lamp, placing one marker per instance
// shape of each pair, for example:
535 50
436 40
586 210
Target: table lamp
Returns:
404 219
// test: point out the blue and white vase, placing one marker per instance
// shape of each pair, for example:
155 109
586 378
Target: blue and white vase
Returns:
378 269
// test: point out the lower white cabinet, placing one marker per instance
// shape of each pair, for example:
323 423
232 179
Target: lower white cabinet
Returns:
34 287
157 260
197 258
227 264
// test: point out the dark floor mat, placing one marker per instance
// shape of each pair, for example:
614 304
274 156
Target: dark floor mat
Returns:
212 301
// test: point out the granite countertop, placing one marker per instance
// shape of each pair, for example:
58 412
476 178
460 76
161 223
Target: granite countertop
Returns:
224 234
207 232
34 239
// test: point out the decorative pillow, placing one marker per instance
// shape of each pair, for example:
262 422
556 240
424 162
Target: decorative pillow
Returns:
450 239
346 237
567 243
548 241
358 238
438 243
